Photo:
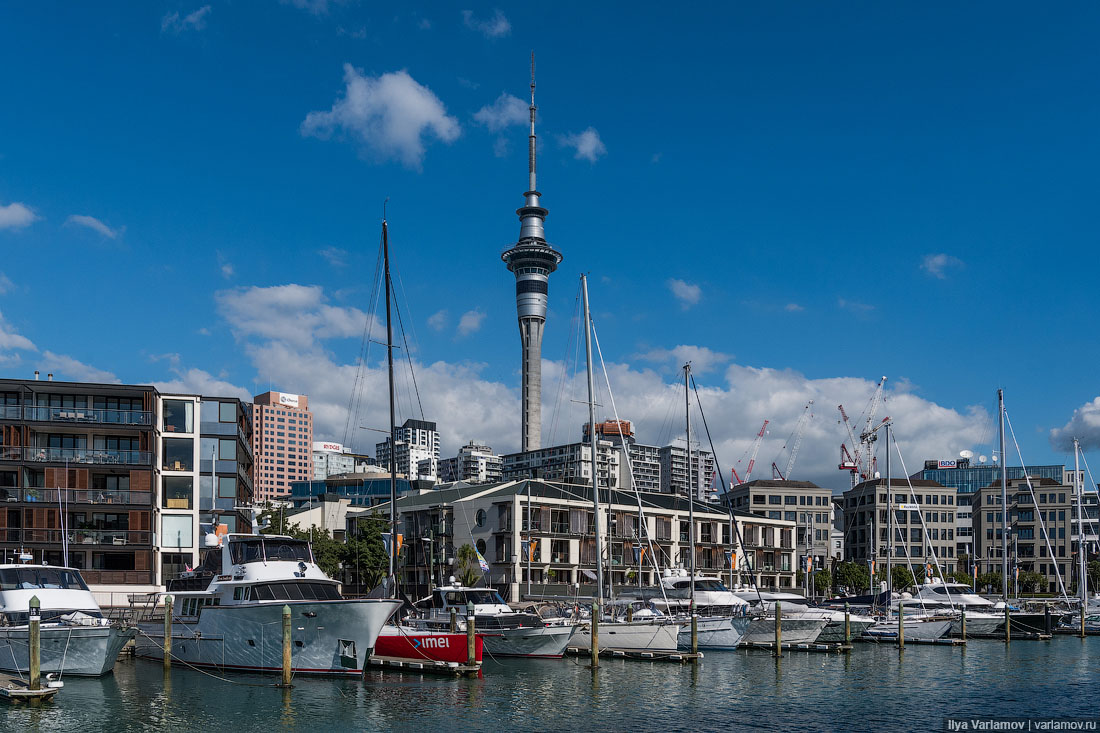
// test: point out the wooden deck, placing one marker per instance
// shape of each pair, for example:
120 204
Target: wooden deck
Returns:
426 666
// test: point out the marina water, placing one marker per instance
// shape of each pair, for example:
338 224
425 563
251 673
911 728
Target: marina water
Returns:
873 688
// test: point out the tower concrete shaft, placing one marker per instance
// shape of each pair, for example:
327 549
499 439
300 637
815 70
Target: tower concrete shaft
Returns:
532 259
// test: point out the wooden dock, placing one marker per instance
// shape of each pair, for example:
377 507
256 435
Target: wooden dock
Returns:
657 656
821 648
14 690
893 641
426 666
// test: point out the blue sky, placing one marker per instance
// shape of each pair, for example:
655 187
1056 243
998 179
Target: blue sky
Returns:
803 196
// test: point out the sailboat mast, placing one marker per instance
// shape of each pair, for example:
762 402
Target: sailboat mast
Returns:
592 439
690 486
1082 561
889 517
393 419
1004 498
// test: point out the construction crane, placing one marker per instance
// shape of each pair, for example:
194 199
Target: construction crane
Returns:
861 464
752 459
803 420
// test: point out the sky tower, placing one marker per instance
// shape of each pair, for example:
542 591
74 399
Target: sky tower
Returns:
532 259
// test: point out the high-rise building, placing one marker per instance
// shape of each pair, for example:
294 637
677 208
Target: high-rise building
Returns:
674 471
637 459
474 464
571 464
333 459
282 442
532 259
417 442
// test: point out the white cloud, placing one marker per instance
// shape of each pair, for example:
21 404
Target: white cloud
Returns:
389 115
1084 425
702 359
793 308
586 145
197 381
68 368
855 307
12 339
937 265
6 284
16 216
228 270
94 224
335 256
192 21
494 27
505 111
298 315
438 320
687 293
470 322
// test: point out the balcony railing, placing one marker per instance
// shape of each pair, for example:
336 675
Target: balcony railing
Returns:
86 415
10 412
78 496
99 537
88 455
116 577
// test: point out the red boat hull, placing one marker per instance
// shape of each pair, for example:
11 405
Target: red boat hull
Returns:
419 646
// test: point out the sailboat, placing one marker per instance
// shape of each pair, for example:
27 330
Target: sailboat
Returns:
654 633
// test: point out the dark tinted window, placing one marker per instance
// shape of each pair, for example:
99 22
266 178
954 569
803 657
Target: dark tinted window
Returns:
31 578
287 550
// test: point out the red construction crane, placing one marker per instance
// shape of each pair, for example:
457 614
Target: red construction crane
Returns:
803 420
752 459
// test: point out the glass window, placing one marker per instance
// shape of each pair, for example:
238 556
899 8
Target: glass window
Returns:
227 450
227 412
227 487
176 531
178 454
179 416
178 492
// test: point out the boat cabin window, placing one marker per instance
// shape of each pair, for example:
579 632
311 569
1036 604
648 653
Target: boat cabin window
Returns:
479 597
680 585
211 561
295 592
287 550
35 578
20 618
191 606
711 585
245 551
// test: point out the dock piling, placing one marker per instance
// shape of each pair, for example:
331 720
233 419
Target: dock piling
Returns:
454 620
847 624
34 629
694 637
901 625
595 634
471 636
1008 624
963 620
286 645
1082 620
167 633
778 629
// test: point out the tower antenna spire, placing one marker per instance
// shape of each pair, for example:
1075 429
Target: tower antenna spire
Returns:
531 138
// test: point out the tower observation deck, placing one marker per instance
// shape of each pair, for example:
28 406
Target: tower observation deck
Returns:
532 259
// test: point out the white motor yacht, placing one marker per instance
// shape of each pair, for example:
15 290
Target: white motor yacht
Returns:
647 630
723 618
228 613
920 628
506 631
75 638
982 618
800 623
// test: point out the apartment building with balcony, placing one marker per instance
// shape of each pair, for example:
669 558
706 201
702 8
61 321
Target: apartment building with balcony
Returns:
675 478
803 502
494 519
474 464
77 476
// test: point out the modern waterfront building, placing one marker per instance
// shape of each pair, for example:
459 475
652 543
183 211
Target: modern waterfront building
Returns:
968 478
805 503
493 519
1049 506
282 443
531 259
644 460
474 464
417 442
924 522
674 471
361 489
571 463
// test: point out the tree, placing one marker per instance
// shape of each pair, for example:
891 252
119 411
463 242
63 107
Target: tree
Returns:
1031 582
853 575
467 566
961 576
366 562
902 577
823 581
989 581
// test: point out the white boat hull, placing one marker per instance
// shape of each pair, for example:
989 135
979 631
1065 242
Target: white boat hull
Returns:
915 629
795 630
833 633
528 641
88 651
715 632
629 636
984 625
329 637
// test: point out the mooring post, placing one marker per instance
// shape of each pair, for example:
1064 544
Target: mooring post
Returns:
1046 618
963 618
901 625
34 629
595 634
167 646
454 620
1008 624
471 636
1082 620
778 629
286 645
629 614
847 624
694 636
